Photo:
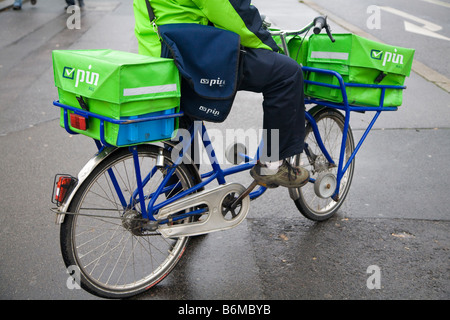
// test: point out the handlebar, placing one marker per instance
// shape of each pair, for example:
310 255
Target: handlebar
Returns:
321 23
318 24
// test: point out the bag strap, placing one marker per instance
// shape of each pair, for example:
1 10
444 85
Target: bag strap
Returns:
152 17
151 14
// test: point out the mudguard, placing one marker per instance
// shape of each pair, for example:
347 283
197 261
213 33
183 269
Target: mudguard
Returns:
82 175
93 163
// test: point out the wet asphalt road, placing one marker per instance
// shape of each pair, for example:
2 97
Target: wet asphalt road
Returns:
396 215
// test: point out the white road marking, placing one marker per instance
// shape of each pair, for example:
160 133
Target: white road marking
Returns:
428 29
411 27
439 3
426 24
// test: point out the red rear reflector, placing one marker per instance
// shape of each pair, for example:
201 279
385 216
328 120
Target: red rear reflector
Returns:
62 185
78 122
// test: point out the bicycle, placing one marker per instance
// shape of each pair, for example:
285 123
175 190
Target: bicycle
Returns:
125 220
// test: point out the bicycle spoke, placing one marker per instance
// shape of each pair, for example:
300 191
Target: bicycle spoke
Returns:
330 125
109 244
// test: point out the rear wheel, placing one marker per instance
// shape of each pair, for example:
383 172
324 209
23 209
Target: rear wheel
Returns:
116 257
315 201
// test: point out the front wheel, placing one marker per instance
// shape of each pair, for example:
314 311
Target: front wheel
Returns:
104 240
315 201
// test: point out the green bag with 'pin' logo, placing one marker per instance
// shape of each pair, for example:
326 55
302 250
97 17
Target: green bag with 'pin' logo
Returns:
358 60
122 86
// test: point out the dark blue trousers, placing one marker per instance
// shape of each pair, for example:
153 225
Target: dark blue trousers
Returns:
280 80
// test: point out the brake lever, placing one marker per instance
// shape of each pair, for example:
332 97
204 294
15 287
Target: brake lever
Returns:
328 30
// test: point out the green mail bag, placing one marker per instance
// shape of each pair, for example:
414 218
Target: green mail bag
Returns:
358 60
121 86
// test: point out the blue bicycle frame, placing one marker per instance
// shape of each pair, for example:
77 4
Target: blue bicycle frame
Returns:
219 174
347 108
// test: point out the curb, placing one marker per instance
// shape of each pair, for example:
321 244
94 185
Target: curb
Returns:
6 4
418 67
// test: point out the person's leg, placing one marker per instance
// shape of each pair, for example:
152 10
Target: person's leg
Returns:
280 79
17 5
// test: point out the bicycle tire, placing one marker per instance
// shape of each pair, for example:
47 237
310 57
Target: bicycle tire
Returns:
330 123
113 259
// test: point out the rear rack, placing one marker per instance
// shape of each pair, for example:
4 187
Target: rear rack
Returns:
102 119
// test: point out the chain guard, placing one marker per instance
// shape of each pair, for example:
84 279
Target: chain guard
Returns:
216 200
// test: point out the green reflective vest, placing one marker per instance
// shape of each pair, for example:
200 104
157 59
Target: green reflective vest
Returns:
238 16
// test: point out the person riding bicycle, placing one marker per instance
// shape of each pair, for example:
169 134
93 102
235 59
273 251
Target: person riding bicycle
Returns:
278 77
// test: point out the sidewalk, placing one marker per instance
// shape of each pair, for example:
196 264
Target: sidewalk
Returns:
7 4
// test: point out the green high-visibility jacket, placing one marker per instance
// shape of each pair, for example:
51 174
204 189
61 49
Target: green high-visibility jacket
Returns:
238 16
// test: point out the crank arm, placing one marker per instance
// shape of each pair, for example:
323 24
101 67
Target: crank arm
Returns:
243 195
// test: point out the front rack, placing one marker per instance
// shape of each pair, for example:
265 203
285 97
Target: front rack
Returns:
347 108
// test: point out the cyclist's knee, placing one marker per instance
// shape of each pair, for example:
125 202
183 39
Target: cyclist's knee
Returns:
289 69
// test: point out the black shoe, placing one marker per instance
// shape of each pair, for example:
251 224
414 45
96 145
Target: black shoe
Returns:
33 2
17 7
